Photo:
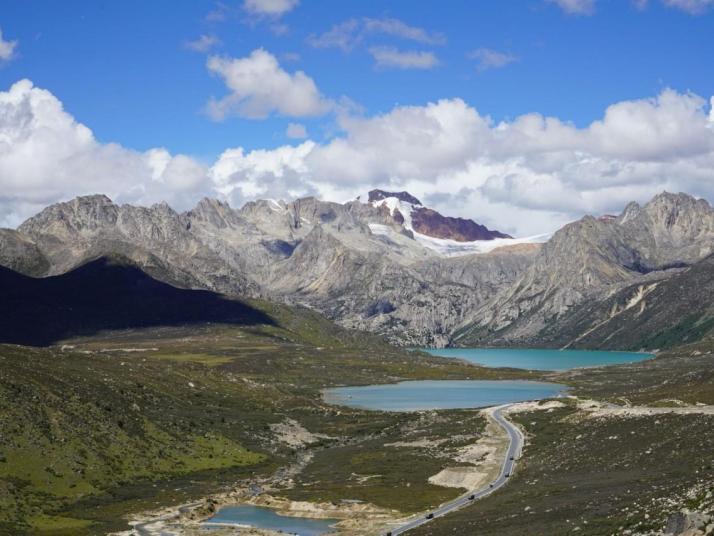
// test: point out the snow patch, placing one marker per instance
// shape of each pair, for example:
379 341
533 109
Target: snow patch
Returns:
453 248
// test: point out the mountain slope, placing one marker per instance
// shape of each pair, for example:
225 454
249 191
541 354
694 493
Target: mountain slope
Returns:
325 255
369 265
105 294
156 238
587 260
651 315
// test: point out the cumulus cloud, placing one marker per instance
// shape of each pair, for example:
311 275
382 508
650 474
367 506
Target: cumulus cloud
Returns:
259 87
348 34
487 58
46 156
276 173
272 8
575 7
522 176
296 131
393 58
203 43
7 49
694 7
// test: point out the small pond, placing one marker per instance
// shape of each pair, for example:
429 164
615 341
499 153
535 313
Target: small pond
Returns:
267 518
441 394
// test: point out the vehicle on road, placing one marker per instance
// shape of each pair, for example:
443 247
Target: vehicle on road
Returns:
472 497
430 515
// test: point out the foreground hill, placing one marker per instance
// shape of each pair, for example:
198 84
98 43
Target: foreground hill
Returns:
145 401
106 294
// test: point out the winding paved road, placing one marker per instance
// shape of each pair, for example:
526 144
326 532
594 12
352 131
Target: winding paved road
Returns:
512 454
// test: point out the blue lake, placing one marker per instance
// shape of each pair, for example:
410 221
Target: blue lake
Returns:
266 518
536 359
440 394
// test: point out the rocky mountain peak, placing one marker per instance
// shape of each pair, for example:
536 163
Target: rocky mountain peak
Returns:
379 195
89 211
213 211
630 212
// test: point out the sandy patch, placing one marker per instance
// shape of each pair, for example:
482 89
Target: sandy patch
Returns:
534 406
643 411
294 435
484 459
418 444
468 478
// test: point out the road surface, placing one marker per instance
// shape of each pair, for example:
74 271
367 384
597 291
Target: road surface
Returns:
515 445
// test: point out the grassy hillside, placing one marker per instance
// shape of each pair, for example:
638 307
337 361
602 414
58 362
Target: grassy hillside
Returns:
608 475
95 427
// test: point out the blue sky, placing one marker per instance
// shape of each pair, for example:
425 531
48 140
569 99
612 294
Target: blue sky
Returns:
123 68
127 70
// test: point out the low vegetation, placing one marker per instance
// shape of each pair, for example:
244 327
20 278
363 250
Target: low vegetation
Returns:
95 428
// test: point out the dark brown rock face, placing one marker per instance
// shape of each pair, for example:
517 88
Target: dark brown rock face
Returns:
429 222
378 195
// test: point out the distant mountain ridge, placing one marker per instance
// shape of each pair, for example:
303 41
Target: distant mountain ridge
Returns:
368 266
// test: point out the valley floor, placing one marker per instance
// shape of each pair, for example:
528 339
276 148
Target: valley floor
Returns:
96 430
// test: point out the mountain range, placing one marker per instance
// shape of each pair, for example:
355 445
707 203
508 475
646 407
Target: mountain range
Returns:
395 267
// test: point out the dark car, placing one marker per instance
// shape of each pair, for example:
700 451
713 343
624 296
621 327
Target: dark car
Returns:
472 497
490 485
507 475
511 458
430 516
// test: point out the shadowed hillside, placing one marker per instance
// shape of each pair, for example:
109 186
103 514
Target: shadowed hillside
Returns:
106 294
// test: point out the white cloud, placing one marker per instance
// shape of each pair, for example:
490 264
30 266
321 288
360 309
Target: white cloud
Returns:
345 35
398 28
273 8
203 43
575 7
390 57
487 58
352 32
694 7
276 173
46 156
259 87
7 49
522 176
296 131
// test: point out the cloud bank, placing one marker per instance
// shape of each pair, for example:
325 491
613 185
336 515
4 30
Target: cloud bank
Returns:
523 176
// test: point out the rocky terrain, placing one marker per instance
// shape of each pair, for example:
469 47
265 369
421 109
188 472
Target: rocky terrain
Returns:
320 254
595 268
394 267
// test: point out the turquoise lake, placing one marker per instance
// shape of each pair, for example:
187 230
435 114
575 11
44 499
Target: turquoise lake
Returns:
536 359
441 394
266 518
